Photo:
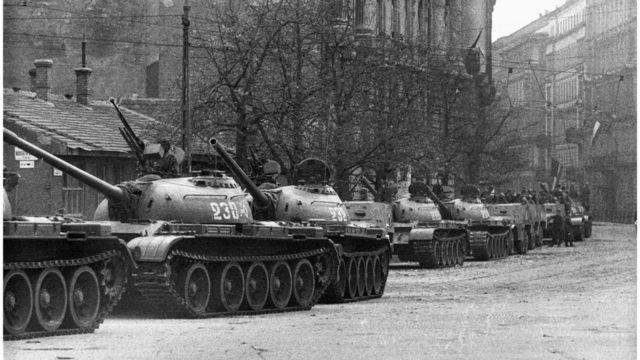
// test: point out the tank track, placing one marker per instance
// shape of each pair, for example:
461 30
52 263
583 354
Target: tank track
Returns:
432 254
97 262
336 292
155 283
486 246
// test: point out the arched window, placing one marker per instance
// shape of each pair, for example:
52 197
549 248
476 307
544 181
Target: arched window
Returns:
360 14
380 24
408 19
395 19
421 19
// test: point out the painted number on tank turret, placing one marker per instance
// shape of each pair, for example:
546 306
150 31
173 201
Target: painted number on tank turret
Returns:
227 210
338 214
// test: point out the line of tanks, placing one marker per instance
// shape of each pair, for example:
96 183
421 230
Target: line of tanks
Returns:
201 246
187 247
436 233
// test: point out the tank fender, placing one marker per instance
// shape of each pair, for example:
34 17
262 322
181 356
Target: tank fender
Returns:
421 234
152 248
129 254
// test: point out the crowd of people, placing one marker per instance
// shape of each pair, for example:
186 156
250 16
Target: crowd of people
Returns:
527 196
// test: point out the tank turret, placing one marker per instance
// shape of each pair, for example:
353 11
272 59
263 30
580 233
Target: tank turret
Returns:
259 198
311 201
212 197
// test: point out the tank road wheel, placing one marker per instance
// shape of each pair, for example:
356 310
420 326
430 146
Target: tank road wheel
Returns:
453 253
442 252
280 284
232 286
257 286
50 296
352 278
303 283
362 276
368 266
18 302
492 247
456 259
336 289
377 275
342 278
460 253
446 250
113 276
84 298
195 288
505 247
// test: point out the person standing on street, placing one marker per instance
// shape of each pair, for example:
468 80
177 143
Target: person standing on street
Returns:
568 234
557 229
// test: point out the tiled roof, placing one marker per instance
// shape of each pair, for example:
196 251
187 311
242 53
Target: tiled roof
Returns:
89 128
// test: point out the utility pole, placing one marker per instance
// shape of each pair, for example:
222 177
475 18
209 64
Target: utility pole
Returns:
186 116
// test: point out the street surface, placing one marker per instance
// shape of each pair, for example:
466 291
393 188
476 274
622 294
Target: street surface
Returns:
553 303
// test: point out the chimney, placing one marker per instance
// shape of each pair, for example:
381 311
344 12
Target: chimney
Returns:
82 85
42 78
32 80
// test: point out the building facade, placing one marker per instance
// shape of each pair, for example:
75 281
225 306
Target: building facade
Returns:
571 78
611 101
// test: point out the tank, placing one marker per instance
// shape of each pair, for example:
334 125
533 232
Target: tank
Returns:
418 231
581 221
198 250
364 252
60 276
490 237
526 218
424 231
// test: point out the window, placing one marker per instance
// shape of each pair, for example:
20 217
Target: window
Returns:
73 194
395 19
381 17
421 19
408 20
359 14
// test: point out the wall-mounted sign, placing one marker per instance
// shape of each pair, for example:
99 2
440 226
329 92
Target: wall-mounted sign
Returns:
27 164
57 172
22 155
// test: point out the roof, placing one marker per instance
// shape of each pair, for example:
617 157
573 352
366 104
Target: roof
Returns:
90 128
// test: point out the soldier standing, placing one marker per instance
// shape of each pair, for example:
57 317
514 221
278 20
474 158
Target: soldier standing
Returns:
557 229
568 234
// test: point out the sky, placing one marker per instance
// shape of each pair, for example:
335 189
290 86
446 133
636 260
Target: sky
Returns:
511 15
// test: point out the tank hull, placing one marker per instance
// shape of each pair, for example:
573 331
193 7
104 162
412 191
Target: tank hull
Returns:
208 270
60 278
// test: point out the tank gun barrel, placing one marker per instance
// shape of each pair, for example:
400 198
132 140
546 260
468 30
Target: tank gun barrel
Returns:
112 192
444 210
259 198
